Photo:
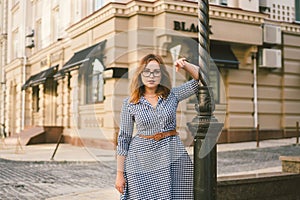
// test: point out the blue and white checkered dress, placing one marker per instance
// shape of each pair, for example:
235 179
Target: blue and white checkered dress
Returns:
155 170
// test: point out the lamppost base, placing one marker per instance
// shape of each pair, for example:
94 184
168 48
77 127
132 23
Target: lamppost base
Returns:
206 130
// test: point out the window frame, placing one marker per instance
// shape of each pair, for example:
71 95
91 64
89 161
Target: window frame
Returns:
15 44
93 82
297 11
35 98
97 4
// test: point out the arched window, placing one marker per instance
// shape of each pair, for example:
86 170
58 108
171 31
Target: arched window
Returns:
94 82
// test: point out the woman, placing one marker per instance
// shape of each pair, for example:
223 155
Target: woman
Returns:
154 164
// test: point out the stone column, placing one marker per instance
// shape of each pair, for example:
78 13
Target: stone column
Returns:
6 108
19 107
41 105
60 102
74 104
29 111
66 102
115 91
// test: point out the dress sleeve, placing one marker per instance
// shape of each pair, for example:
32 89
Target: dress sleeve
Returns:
186 90
126 129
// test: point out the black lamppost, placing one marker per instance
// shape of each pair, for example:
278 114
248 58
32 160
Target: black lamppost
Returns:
205 126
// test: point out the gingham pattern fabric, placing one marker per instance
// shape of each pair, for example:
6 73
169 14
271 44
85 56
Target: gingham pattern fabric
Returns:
155 170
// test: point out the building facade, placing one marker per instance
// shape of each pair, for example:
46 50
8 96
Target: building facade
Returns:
71 68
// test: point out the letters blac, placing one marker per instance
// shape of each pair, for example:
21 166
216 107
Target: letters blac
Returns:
181 26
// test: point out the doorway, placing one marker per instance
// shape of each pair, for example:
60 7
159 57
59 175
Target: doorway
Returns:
50 102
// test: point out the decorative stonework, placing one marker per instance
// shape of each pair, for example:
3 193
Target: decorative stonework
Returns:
236 15
153 8
185 8
290 28
92 122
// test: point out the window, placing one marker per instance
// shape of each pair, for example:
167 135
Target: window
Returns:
98 4
15 44
38 35
223 2
219 2
297 10
214 76
55 24
35 98
213 1
94 82
77 10
14 2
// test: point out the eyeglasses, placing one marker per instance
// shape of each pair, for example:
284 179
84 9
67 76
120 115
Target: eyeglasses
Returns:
148 73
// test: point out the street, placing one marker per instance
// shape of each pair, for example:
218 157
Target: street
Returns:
46 179
40 180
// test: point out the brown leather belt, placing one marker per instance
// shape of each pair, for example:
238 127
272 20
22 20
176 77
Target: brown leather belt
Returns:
159 136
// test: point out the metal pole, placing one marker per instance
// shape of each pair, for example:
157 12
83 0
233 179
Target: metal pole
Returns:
297 132
204 126
257 136
57 144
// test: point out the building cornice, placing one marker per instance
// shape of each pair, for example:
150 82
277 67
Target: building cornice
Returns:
187 8
16 63
290 28
238 15
51 52
105 13
286 27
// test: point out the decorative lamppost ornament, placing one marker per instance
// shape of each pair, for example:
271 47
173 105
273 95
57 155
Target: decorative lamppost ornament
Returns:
205 127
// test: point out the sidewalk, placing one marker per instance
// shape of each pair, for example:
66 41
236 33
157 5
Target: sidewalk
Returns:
67 152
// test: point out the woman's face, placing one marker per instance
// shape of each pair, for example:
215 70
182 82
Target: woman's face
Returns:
151 75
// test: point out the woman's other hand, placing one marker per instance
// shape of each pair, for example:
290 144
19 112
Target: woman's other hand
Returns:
120 182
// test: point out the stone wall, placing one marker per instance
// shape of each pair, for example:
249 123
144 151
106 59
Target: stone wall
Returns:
290 164
270 186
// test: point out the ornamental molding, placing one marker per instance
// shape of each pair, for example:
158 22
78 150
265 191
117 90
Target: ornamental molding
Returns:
139 7
232 14
290 28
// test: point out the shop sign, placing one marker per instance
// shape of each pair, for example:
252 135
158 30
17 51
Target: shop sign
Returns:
182 26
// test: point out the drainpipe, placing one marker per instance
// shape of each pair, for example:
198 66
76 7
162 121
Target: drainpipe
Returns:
23 92
4 63
255 115
3 88
24 66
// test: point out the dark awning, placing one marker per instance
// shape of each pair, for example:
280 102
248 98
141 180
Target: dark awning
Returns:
223 56
81 57
40 77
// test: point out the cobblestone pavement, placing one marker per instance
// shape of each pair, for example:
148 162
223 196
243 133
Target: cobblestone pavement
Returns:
254 160
42 180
